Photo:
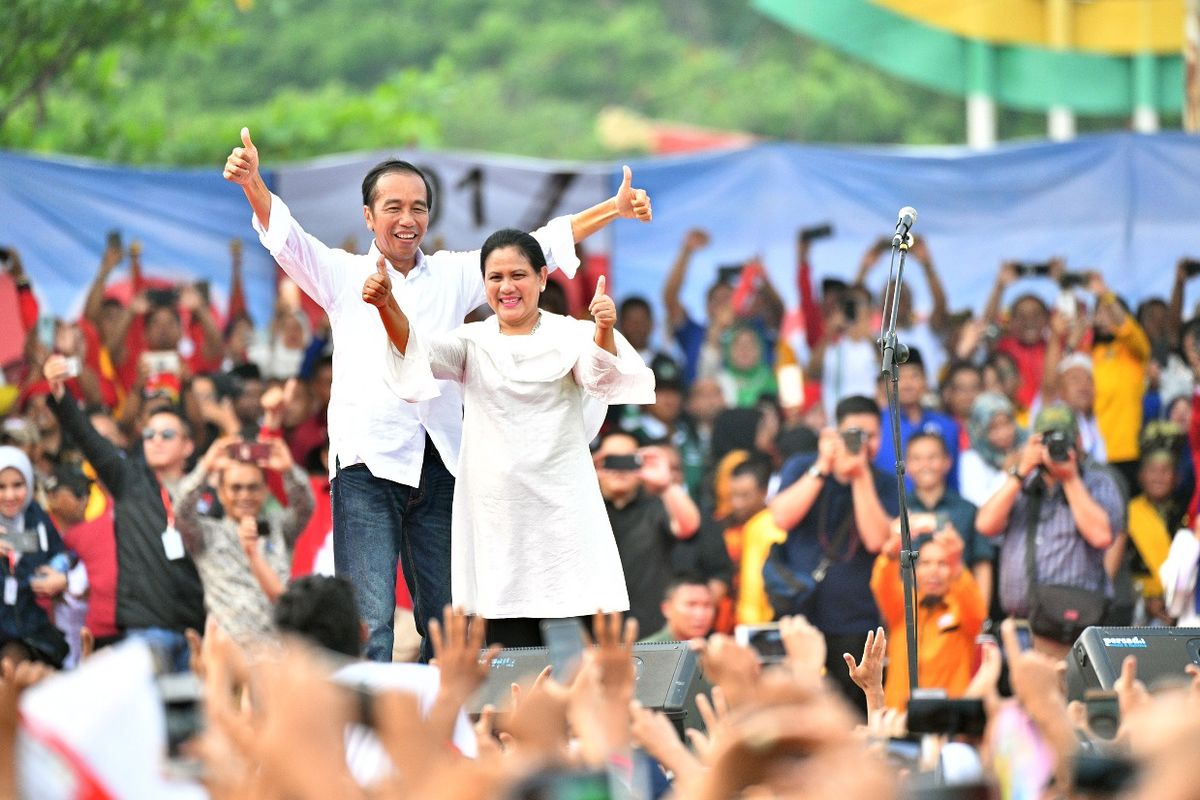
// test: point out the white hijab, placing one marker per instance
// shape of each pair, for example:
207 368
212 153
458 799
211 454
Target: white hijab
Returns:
13 458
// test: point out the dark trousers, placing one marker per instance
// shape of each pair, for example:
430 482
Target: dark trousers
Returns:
377 522
523 631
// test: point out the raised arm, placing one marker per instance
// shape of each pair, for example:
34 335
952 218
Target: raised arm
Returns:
1004 278
242 168
793 503
627 203
693 241
939 316
378 292
104 457
604 312
93 306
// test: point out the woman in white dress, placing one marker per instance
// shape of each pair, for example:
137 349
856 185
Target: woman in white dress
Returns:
530 538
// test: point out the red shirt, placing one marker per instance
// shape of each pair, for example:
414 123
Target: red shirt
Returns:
1031 360
96 547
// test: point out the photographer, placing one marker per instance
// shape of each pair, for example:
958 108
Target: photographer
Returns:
846 360
1081 510
837 509
244 557
648 513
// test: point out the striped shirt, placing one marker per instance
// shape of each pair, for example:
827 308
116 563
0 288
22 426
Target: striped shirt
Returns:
1064 557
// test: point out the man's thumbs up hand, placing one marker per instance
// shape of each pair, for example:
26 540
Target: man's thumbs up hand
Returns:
632 203
602 308
378 287
242 165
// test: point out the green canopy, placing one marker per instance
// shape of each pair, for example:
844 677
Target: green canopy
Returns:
1021 77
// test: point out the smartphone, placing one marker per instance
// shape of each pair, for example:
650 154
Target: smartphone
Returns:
564 642
815 232
1069 280
1191 267
5 255
47 329
182 699
162 362
1024 634
1103 712
790 379
730 273
1033 269
26 541
943 715
765 640
204 289
252 452
163 297
625 463
72 366
113 240
850 309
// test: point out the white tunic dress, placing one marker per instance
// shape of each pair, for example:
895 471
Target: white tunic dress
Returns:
530 536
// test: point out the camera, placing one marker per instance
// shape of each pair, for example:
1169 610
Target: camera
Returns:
1033 269
1191 267
816 232
850 309
1058 445
854 438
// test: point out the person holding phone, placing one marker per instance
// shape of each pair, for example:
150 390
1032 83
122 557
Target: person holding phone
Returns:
32 566
392 463
244 557
529 538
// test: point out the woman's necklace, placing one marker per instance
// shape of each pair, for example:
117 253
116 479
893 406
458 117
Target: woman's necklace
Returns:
536 325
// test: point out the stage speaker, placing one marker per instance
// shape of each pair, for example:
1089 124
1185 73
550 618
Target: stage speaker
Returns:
1095 660
668 679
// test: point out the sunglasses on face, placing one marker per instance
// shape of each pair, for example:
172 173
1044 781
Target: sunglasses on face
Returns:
166 434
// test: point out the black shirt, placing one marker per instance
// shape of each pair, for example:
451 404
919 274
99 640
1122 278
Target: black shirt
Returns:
644 541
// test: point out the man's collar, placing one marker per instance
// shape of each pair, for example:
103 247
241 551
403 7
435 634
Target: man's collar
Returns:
418 264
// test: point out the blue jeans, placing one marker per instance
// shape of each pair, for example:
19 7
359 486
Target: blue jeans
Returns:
169 648
377 522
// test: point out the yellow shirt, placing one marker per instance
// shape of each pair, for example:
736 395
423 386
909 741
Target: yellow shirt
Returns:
758 534
1152 539
1119 370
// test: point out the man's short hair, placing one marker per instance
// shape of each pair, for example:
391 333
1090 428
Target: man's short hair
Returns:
173 411
929 436
957 366
321 609
855 404
758 467
371 180
682 579
633 303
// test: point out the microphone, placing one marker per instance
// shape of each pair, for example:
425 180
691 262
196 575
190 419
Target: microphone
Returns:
908 216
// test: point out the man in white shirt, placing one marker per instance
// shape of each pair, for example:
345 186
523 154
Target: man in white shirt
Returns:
391 462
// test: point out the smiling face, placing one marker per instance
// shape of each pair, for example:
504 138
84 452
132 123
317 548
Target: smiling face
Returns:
513 287
242 490
934 570
13 492
165 442
928 463
399 217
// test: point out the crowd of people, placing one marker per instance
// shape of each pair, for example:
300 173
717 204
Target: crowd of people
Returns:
170 472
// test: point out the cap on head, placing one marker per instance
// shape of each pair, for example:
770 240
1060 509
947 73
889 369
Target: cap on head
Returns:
1057 418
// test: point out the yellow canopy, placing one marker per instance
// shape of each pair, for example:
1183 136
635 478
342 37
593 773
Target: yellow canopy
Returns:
1115 27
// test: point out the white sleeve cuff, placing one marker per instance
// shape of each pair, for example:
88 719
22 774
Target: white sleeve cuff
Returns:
275 235
558 242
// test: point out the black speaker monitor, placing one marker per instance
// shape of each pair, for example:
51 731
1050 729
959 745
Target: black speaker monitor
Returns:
668 679
1095 659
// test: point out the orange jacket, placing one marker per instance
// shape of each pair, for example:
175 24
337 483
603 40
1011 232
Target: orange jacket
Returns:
945 633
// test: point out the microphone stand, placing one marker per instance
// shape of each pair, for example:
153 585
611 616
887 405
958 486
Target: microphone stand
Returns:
894 353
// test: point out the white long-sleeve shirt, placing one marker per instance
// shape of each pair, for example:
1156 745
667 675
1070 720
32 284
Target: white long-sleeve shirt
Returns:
529 534
368 424
1178 576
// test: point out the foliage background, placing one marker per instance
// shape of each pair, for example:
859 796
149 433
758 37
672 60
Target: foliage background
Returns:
172 81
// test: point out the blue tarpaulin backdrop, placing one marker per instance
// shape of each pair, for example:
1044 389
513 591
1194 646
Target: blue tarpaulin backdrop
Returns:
1123 203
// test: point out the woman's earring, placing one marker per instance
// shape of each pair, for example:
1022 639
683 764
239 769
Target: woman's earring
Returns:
543 287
